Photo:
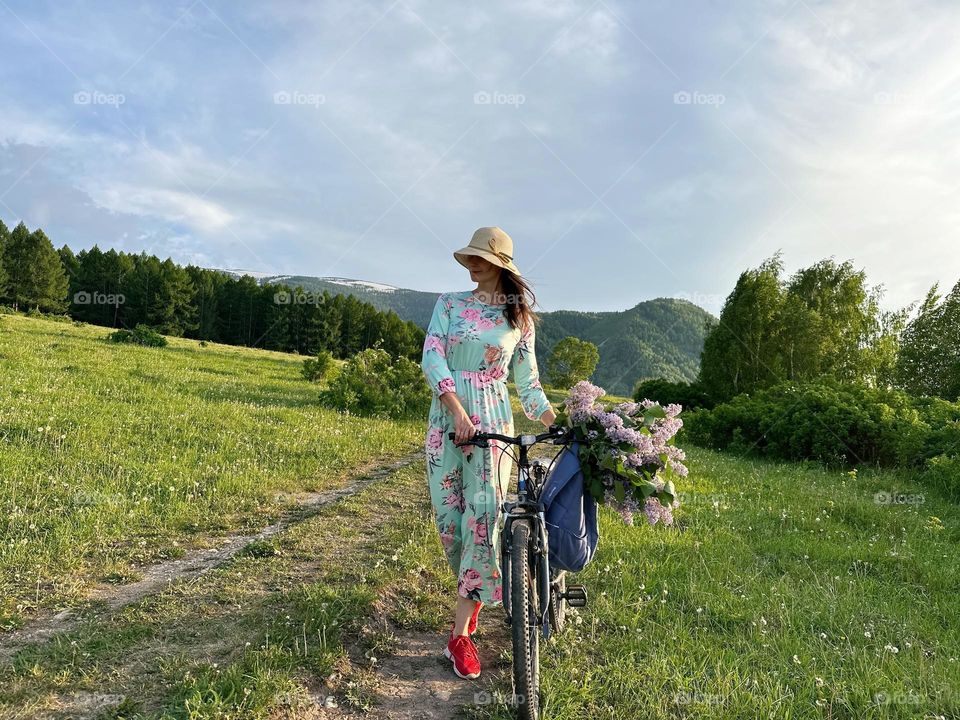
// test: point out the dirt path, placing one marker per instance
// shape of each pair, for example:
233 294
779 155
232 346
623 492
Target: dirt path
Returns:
416 681
107 598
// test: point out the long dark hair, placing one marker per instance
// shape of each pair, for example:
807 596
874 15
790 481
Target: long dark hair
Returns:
519 299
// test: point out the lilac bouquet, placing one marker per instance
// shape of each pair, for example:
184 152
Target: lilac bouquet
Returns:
630 461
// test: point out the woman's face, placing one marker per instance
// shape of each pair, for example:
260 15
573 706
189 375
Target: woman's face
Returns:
482 270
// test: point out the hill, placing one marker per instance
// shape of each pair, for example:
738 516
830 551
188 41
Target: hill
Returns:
655 338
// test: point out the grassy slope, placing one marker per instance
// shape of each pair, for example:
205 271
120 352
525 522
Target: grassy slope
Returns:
786 591
114 454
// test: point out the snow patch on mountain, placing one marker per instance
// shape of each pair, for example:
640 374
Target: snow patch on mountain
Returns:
378 287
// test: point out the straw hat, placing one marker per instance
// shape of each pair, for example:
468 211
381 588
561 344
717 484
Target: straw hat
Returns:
490 243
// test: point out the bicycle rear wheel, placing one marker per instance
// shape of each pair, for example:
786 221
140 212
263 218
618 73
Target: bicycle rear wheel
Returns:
523 609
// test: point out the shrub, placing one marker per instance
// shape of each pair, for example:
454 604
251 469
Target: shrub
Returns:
140 335
943 473
316 369
375 384
56 317
832 422
689 395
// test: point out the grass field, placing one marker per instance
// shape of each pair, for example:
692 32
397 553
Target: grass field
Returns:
113 454
784 591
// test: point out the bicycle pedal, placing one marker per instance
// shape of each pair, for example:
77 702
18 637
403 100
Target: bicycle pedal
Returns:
575 595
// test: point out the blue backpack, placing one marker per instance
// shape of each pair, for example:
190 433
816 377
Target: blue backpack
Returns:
570 513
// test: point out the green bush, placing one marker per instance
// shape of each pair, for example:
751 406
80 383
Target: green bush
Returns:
316 369
372 383
140 335
690 395
832 422
56 317
943 473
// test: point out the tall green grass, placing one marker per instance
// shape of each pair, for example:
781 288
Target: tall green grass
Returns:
784 591
118 454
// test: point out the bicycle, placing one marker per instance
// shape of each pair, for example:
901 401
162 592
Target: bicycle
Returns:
532 590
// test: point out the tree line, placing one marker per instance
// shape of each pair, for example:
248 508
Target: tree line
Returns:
117 289
823 322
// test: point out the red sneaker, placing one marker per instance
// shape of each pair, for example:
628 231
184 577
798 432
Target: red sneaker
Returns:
463 653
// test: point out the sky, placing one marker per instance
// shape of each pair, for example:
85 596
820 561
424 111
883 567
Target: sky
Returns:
632 150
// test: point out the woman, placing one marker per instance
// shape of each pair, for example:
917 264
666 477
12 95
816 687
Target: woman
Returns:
474 337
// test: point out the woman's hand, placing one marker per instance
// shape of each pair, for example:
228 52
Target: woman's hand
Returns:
463 426
548 417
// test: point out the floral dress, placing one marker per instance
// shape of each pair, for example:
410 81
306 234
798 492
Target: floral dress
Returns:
469 349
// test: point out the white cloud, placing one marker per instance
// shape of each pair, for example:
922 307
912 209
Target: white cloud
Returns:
176 207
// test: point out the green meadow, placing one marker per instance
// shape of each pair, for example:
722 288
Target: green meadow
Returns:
783 591
119 454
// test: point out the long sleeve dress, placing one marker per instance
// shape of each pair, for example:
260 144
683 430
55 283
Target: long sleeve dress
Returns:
469 349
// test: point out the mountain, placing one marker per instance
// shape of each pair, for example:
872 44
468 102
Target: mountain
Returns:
656 338
415 305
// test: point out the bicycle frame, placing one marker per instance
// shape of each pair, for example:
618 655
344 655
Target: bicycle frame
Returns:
530 508
527 507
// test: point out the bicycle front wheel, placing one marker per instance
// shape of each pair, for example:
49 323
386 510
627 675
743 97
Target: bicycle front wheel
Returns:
524 611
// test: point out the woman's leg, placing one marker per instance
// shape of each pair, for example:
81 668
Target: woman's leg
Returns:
479 577
465 608
445 480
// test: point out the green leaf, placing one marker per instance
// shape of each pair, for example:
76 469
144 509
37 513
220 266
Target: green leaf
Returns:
669 490
596 489
654 412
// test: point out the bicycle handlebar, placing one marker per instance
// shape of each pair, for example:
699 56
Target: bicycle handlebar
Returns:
480 439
